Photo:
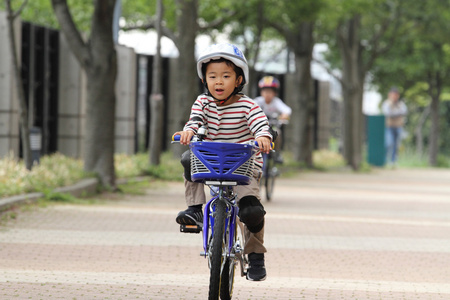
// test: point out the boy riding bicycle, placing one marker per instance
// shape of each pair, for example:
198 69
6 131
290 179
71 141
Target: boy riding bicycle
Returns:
234 118
273 107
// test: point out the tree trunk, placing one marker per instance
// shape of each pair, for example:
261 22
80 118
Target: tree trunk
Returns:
435 89
353 126
101 98
252 49
302 44
156 99
23 110
419 131
353 76
100 121
98 58
303 110
188 82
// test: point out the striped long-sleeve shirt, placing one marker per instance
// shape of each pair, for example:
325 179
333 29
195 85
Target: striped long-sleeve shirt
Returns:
238 122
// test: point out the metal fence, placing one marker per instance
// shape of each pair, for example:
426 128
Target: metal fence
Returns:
39 72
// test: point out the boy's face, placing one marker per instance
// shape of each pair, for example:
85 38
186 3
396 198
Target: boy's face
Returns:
268 94
221 80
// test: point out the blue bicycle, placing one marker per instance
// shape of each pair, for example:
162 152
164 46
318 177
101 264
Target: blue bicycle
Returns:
272 160
221 166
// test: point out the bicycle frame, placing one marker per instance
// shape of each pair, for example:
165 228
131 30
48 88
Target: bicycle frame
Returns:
224 166
226 194
208 220
270 172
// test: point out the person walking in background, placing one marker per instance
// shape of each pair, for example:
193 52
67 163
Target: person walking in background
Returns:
395 111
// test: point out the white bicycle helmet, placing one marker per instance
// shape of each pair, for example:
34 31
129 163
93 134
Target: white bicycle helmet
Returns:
227 51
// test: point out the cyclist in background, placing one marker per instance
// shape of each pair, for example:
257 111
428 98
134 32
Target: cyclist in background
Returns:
273 107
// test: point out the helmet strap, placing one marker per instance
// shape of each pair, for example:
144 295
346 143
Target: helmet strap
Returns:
221 102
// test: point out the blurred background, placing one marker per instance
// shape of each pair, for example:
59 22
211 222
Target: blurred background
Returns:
87 71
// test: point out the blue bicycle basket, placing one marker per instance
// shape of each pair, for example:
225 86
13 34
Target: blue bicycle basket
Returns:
215 161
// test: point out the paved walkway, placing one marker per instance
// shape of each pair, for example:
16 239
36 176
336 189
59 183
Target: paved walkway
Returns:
384 235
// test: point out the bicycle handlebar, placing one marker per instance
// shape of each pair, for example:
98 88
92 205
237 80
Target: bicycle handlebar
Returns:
176 138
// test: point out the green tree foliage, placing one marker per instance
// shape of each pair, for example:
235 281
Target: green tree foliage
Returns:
358 33
292 13
40 12
248 29
139 13
295 21
419 63
420 47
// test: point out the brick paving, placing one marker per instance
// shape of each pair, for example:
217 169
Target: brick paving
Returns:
383 235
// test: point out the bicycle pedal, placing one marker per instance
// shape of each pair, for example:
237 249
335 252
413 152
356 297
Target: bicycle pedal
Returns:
190 228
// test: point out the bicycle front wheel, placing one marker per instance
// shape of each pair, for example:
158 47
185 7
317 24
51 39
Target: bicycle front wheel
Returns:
270 178
217 250
227 281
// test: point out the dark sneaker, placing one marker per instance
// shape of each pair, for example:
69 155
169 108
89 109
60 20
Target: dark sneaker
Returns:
190 216
256 270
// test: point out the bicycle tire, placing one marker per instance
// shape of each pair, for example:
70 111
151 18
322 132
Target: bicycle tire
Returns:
217 247
269 180
227 282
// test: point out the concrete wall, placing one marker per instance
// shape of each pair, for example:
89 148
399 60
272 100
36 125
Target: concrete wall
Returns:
71 102
9 103
126 100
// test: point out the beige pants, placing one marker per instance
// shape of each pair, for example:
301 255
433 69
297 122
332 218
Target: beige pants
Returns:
195 194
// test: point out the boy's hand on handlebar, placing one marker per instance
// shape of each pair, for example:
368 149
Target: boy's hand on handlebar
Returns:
185 136
264 144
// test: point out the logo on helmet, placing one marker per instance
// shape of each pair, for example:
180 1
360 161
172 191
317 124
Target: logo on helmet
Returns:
237 51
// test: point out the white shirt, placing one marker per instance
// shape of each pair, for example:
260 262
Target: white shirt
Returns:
394 112
276 106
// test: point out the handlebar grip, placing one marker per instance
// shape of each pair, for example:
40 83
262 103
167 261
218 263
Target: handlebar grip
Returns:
176 138
272 144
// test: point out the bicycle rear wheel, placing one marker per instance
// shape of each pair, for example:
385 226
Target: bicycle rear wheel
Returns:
269 180
217 248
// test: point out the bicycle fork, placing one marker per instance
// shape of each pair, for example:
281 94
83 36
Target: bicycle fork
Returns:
233 250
